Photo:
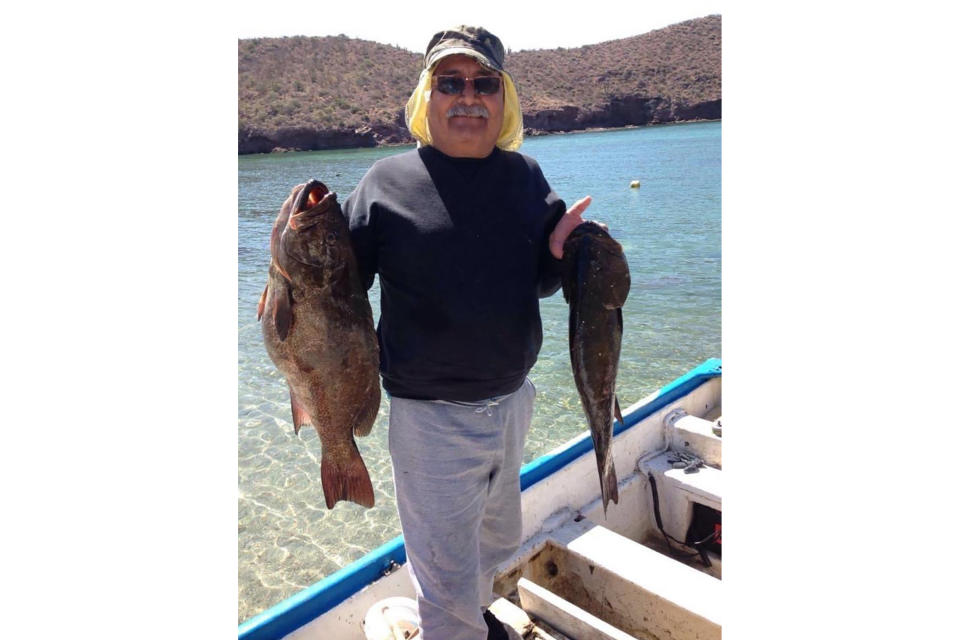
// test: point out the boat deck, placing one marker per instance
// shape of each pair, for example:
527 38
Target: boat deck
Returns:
598 577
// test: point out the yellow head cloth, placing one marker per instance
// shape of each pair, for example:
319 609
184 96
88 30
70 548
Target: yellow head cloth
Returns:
511 133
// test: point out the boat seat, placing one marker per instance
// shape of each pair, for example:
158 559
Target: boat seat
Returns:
623 583
695 435
703 485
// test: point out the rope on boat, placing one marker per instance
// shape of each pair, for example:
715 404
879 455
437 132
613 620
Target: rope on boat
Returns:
700 550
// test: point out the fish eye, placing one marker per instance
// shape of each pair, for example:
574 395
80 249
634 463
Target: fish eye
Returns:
331 237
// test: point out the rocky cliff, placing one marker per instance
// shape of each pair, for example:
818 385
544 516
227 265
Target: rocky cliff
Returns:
620 112
324 93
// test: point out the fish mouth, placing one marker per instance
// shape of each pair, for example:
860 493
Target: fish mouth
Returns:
312 201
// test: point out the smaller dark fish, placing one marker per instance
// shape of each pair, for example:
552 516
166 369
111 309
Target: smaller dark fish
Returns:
596 281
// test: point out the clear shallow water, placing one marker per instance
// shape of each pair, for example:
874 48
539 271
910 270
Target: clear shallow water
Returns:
670 230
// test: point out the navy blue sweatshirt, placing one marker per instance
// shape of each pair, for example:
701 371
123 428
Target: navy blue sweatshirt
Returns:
461 246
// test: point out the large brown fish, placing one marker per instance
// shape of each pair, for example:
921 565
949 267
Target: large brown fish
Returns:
318 330
596 280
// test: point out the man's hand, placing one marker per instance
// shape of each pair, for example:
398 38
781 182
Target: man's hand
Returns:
566 224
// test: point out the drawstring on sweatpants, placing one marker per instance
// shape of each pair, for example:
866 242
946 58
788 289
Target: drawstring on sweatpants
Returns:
486 408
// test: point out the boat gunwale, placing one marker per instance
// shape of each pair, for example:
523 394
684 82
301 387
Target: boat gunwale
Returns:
299 609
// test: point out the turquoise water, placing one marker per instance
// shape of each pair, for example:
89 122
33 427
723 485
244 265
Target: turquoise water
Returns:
670 231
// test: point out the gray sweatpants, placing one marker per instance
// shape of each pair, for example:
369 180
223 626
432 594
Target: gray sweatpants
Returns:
456 467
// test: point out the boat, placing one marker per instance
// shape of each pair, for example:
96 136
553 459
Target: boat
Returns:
650 568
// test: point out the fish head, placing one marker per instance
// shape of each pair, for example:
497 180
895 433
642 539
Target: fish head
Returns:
592 259
592 234
311 232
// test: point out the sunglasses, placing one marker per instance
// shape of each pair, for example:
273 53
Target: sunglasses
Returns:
455 85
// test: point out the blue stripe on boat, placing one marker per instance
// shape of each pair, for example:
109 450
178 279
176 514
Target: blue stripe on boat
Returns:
301 608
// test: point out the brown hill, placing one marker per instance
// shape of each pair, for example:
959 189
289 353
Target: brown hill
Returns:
321 93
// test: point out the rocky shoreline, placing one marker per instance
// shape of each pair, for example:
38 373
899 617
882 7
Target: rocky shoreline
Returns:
622 112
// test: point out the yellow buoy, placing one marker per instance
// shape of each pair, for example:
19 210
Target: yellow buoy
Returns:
634 184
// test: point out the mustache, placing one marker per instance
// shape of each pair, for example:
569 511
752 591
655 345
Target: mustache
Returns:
471 111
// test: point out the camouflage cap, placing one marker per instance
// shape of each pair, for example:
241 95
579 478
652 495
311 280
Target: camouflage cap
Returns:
475 42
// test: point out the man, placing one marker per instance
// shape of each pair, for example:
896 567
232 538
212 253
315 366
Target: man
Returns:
466 235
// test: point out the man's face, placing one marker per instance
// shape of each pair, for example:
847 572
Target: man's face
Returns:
464 136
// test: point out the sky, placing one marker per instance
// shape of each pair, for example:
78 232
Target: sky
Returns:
520 25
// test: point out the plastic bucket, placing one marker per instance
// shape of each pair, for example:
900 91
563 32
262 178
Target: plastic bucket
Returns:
392 619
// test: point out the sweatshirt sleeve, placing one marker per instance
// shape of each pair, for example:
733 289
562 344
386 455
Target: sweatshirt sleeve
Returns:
549 277
360 212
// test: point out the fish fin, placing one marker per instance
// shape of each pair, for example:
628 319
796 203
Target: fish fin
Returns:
616 409
366 415
263 301
566 281
300 416
569 270
617 277
362 430
346 480
608 488
282 310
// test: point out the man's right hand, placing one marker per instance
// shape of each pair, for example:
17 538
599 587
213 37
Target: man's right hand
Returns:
567 223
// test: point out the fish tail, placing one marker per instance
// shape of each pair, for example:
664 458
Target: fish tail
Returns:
346 479
608 487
